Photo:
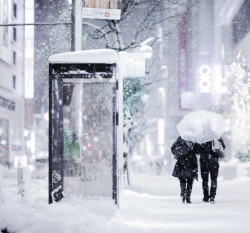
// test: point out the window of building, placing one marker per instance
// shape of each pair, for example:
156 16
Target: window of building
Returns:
14 82
14 58
7 104
14 34
14 10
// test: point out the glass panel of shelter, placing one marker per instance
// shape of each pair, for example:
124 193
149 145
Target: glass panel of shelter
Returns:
88 135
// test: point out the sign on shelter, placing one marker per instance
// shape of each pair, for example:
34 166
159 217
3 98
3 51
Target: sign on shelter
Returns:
102 9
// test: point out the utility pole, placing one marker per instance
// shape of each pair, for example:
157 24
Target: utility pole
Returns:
76 25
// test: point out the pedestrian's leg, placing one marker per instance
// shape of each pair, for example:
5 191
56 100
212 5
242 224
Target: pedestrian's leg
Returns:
204 176
183 188
214 170
183 185
189 189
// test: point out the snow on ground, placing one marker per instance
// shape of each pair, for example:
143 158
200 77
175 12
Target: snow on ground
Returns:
151 204
159 206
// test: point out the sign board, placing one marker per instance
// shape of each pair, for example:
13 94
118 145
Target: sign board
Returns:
102 9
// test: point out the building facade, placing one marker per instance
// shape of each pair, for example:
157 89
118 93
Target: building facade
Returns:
11 82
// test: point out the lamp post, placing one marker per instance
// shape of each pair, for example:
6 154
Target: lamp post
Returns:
163 90
76 25
146 49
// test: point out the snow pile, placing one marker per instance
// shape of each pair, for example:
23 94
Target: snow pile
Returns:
70 215
107 56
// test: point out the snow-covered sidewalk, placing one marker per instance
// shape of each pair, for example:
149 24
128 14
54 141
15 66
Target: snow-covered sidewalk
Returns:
157 206
152 204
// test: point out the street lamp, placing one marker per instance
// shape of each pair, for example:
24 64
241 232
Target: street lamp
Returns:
147 50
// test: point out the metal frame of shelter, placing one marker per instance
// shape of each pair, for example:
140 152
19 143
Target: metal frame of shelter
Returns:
56 172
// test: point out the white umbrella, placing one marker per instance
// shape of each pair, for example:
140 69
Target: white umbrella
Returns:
201 126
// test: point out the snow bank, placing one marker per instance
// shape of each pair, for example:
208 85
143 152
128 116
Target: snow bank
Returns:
70 215
107 56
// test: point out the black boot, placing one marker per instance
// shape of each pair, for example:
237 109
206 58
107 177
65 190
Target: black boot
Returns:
212 201
186 197
183 194
206 198
188 200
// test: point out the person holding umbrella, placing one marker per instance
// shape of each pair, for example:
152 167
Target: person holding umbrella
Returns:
207 131
210 152
186 168
210 165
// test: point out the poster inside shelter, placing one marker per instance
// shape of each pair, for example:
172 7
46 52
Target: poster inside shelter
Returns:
102 9
5 21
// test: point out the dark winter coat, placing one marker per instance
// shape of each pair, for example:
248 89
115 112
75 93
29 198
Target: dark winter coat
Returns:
206 152
185 153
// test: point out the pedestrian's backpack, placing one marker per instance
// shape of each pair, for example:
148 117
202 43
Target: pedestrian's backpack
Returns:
218 149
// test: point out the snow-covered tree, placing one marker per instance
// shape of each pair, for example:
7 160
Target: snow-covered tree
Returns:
141 24
237 97
243 154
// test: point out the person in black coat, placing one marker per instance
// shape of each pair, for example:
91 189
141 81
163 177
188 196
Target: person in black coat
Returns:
209 165
186 168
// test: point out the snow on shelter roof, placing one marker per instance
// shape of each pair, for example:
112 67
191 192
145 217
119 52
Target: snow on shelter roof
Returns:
107 56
